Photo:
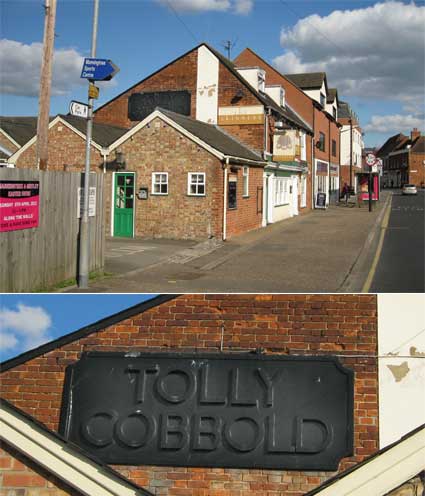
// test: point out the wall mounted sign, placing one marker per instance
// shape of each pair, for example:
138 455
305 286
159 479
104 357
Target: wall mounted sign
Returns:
92 201
222 410
321 168
140 105
19 205
143 193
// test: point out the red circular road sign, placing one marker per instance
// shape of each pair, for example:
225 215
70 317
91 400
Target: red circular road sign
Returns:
370 159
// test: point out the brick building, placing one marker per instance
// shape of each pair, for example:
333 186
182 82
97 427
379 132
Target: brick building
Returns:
257 329
14 133
210 88
326 149
352 146
403 160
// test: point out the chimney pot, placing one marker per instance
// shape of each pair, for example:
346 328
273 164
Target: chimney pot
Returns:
415 133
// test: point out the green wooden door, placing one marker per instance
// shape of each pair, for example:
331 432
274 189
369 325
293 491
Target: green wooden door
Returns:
123 204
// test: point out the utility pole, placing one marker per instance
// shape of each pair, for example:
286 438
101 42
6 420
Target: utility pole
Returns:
83 272
228 45
45 84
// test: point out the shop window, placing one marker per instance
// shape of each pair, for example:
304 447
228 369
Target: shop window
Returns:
232 193
196 184
245 175
160 183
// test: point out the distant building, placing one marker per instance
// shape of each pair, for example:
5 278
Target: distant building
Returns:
351 144
403 160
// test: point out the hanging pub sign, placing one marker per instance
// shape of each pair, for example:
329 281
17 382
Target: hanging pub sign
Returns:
19 205
210 410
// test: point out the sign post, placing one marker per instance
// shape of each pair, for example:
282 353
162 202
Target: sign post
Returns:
371 161
93 70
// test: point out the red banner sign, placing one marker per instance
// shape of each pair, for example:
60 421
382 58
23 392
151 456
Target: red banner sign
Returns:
19 202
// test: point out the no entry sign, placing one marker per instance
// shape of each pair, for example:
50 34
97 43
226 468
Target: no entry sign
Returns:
210 410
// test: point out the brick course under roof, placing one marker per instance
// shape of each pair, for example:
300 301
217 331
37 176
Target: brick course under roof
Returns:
214 136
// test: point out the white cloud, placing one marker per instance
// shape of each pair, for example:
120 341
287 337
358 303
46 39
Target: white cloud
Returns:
21 65
7 341
375 52
394 123
238 6
27 327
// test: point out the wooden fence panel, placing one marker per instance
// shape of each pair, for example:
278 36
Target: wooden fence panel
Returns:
35 259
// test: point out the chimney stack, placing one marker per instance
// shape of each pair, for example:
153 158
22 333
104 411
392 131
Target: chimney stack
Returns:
414 133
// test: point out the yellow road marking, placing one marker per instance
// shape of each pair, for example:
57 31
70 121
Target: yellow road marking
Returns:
384 225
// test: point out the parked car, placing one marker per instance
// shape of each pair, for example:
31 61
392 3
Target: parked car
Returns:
409 189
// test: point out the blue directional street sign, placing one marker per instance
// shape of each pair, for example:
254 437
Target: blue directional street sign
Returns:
98 69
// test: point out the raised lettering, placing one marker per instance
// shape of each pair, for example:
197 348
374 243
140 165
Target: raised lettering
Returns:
176 386
136 430
267 382
311 435
235 399
174 431
243 434
205 432
204 394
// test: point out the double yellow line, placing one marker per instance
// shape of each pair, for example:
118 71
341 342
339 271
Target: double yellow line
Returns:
384 225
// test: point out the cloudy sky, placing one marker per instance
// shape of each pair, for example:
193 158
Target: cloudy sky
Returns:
373 52
29 320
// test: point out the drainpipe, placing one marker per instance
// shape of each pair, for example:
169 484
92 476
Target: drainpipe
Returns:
225 166
313 168
329 155
104 155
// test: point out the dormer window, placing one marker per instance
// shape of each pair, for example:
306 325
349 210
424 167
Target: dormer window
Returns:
322 100
334 112
261 81
282 97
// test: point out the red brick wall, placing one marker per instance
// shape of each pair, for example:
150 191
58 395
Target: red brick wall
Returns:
416 163
341 325
248 213
160 148
67 151
296 98
321 125
251 135
20 476
178 75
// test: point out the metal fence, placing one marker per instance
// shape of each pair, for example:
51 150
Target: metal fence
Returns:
38 258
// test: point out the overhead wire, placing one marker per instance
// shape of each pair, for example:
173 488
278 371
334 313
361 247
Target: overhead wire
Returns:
182 21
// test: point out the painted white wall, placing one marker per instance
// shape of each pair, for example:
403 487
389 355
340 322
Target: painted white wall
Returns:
252 75
276 93
207 86
315 94
401 348
345 146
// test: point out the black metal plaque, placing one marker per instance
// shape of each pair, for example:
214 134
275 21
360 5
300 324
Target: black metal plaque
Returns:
210 410
140 105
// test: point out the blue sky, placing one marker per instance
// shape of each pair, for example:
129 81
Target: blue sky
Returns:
28 320
372 51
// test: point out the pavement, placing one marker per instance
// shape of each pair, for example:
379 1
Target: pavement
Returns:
321 251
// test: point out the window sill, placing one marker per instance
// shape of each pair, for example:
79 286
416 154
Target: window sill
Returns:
195 196
159 194
245 196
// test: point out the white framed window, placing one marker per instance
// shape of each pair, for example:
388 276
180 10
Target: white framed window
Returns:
245 175
196 183
303 191
303 147
159 183
281 191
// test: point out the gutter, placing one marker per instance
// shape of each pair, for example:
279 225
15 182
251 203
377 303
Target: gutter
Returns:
239 160
225 168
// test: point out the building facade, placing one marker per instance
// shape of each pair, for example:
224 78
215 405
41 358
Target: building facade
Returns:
403 160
